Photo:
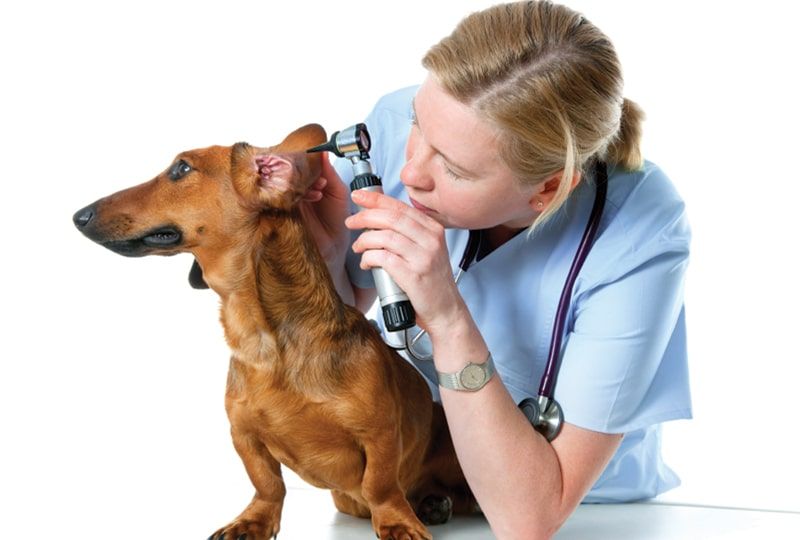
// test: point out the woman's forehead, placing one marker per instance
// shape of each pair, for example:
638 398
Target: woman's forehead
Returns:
455 130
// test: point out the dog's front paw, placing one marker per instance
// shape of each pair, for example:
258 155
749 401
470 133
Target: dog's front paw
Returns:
395 520
401 532
246 530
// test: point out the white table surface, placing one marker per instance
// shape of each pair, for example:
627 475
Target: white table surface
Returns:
309 514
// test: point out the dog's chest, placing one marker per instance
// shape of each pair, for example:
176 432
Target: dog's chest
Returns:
305 436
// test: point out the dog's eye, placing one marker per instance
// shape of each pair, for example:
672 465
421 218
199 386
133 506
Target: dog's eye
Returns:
179 170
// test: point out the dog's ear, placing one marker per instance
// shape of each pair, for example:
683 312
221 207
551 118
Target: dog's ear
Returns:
196 277
300 140
303 138
279 176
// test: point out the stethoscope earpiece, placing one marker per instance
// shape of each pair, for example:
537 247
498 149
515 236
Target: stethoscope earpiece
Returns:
544 414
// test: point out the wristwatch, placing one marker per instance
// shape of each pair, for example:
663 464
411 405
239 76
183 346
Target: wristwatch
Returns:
471 378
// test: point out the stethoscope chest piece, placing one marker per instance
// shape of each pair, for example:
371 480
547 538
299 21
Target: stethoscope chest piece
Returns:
544 414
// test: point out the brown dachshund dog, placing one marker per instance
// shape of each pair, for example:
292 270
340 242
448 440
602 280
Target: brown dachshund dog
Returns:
311 385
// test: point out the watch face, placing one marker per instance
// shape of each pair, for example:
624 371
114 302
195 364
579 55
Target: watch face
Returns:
472 376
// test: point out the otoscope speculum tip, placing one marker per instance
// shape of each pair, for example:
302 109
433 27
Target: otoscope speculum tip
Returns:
329 146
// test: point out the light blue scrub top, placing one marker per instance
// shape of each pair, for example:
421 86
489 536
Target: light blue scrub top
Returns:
624 361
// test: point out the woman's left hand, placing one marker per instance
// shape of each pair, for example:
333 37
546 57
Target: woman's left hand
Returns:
411 247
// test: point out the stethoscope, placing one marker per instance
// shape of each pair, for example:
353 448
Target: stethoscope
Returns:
543 412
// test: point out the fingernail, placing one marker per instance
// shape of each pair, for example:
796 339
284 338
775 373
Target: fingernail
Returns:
357 194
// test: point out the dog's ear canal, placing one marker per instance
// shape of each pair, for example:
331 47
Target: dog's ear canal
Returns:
283 173
283 178
196 277
276 172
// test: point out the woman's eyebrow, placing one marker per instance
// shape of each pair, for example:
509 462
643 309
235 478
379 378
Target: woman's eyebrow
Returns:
452 163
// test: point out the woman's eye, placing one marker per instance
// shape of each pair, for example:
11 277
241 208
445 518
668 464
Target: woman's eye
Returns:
179 170
452 174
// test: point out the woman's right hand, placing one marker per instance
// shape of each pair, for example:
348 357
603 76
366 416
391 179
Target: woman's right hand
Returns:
324 208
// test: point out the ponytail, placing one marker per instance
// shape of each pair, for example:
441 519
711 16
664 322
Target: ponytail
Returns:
550 82
625 148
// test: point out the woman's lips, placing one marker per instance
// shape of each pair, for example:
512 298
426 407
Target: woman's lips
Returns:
419 206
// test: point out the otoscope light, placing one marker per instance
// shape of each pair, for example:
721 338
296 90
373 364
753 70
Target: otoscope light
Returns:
350 142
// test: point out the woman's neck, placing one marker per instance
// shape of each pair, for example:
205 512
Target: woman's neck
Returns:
495 237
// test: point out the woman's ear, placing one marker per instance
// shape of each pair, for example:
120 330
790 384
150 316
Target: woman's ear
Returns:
542 198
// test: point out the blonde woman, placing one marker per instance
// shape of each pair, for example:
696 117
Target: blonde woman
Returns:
518 104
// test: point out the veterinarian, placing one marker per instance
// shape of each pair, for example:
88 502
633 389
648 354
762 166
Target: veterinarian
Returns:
520 103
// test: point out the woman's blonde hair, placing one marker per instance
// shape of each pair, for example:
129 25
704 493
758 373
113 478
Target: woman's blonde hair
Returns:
550 81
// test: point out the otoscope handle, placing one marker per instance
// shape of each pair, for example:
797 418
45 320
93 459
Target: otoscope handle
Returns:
354 143
398 313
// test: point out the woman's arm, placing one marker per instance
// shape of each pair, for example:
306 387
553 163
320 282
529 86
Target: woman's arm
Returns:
525 486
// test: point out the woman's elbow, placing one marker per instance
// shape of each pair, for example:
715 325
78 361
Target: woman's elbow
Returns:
535 525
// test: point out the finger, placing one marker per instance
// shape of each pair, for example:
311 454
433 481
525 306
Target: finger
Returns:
393 264
393 241
404 219
314 193
319 184
375 200
397 220
312 196
421 249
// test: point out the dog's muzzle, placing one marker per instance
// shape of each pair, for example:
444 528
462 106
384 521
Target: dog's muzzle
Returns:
152 241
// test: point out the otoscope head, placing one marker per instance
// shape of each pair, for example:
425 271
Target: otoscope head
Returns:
353 141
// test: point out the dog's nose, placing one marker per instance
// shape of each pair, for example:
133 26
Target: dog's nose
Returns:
83 216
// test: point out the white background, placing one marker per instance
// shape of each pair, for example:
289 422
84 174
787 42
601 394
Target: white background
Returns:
112 370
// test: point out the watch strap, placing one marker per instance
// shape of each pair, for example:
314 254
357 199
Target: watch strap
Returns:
465 380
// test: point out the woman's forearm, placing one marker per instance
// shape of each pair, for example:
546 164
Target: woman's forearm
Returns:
513 471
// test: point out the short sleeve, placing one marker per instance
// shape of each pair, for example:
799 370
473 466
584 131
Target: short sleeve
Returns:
624 363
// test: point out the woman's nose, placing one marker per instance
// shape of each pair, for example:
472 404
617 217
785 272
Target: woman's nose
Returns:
416 172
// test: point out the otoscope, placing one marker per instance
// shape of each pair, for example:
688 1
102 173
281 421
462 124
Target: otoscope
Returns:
354 143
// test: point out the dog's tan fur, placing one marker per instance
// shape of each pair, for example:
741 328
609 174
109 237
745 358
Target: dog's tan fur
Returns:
311 384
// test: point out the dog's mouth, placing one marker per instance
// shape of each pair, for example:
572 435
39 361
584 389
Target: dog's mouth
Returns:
162 238
165 237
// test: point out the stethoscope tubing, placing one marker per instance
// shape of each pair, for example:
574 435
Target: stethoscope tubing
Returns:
548 380
546 401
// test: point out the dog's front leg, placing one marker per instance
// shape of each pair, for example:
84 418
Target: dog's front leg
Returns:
261 519
392 515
